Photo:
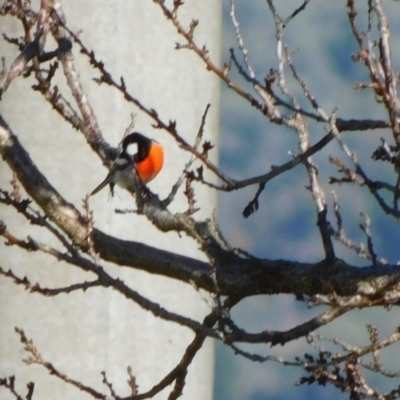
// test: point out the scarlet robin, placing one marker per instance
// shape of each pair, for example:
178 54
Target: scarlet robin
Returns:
138 152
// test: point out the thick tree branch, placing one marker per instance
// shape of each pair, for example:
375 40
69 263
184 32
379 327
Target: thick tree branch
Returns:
236 275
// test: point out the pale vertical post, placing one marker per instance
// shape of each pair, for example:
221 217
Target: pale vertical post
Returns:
99 330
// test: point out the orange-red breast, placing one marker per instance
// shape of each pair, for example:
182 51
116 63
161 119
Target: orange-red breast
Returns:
138 152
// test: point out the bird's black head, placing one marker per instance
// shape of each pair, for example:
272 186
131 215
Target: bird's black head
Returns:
136 146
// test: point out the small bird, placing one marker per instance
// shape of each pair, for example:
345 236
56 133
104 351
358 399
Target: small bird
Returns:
138 152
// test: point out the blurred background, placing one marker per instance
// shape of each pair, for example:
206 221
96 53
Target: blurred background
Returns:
284 227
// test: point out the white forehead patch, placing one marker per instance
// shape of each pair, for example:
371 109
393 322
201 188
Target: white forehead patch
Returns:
131 149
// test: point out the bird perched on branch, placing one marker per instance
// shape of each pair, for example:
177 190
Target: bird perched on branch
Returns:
139 153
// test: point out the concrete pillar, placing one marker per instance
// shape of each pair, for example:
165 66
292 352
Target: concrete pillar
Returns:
83 334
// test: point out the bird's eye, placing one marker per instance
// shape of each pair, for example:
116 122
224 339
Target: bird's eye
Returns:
131 149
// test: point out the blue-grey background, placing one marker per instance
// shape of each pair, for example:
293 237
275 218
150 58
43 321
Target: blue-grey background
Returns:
285 225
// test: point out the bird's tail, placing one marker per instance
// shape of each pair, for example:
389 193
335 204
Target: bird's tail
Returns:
102 185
